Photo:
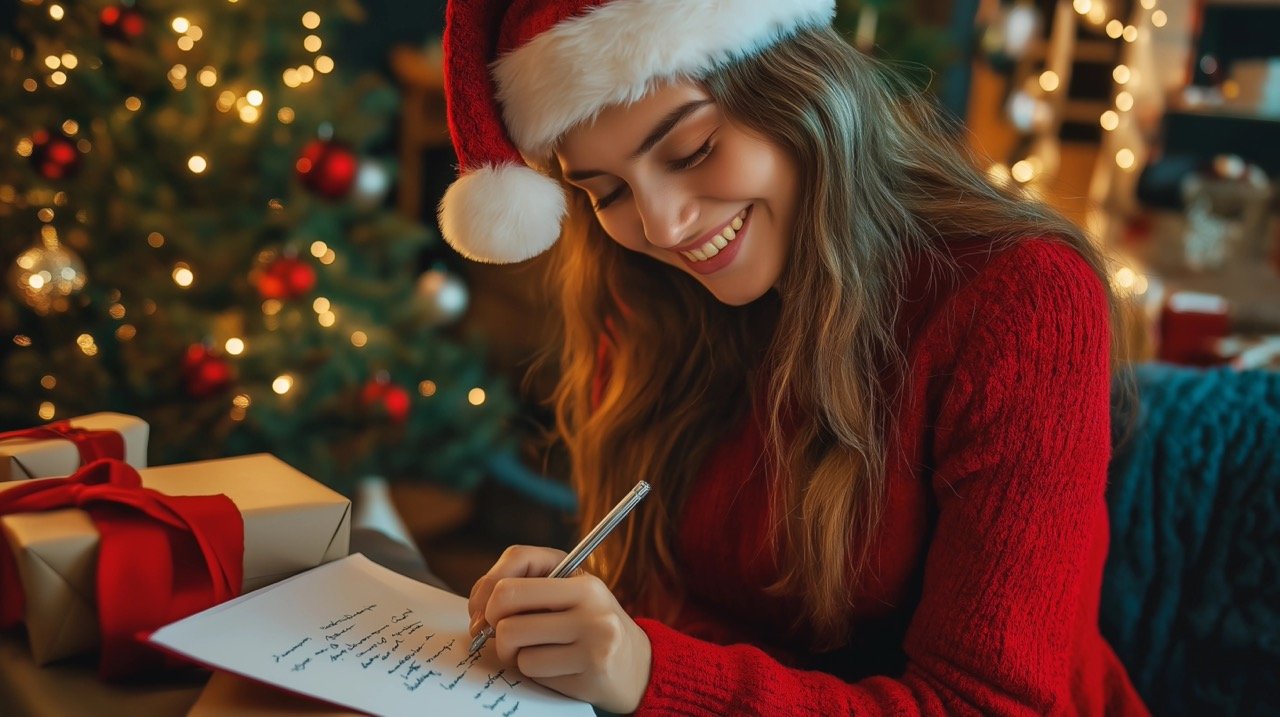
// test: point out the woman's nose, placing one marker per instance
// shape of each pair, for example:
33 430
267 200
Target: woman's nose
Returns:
668 217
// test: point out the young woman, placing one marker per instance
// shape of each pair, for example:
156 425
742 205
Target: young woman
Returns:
870 388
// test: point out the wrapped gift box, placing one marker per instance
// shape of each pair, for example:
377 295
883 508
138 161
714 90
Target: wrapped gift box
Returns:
291 523
22 458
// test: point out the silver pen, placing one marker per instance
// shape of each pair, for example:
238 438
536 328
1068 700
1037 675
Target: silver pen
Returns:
584 548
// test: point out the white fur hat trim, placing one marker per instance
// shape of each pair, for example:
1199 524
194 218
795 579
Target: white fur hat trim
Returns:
502 214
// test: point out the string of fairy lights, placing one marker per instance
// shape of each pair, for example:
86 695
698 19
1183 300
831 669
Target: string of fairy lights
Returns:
1031 109
1036 107
50 271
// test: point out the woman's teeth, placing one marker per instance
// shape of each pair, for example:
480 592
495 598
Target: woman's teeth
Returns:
720 241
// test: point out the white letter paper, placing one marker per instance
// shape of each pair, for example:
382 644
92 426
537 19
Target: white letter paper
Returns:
356 634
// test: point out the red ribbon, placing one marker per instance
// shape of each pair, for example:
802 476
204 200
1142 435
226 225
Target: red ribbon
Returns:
161 557
91 444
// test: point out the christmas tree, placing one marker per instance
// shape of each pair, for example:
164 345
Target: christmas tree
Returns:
192 230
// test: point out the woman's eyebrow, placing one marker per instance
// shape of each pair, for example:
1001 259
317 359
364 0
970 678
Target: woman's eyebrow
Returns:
662 129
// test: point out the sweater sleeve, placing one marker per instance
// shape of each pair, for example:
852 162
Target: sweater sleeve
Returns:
1019 449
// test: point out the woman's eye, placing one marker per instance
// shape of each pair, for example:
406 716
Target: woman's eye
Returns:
692 159
612 197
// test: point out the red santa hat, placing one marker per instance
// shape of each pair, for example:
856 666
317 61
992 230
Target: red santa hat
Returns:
520 73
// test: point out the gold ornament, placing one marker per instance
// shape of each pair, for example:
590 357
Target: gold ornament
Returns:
46 276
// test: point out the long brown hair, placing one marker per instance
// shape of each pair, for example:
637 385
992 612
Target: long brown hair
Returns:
882 180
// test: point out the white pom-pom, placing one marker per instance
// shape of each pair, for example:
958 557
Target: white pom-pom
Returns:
502 214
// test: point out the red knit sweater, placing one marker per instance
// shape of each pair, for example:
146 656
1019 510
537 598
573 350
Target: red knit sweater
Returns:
983 597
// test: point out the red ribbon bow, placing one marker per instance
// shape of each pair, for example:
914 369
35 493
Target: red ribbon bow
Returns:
161 557
91 444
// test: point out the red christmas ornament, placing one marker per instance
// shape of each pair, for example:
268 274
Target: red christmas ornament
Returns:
328 168
54 155
121 23
203 373
392 399
286 278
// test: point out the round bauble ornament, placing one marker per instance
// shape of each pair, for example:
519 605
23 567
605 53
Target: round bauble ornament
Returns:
373 181
382 395
46 276
1010 34
54 155
442 297
328 168
286 278
204 373
121 23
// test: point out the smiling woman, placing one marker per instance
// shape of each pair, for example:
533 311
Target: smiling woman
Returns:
870 388
670 176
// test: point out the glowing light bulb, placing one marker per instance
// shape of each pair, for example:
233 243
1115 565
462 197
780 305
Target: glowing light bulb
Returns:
311 20
1022 171
1109 120
1049 80
235 346
183 276
476 396
197 164
1125 158
282 384
180 24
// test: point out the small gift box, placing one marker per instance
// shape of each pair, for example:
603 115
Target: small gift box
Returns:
1190 326
57 449
291 523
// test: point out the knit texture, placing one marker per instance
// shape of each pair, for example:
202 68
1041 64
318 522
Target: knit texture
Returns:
985 580
1191 599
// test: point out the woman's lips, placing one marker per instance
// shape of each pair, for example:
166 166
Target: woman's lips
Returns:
726 255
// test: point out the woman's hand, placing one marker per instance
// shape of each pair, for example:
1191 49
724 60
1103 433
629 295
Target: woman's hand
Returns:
569 634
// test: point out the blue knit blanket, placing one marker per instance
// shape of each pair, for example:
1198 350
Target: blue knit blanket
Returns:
1191 594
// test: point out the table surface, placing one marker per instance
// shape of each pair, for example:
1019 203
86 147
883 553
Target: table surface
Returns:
71 687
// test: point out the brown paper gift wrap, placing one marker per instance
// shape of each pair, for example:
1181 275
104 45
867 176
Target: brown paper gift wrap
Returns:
291 523
22 458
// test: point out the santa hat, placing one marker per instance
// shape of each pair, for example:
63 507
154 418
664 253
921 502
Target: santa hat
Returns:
520 73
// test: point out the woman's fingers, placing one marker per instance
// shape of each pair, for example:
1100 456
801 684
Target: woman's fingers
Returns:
549 661
520 632
513 596
516 561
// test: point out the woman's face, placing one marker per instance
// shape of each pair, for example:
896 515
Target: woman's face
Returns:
673 178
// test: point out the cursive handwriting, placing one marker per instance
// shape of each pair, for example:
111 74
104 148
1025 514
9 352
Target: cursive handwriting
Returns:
349 616
373 636
408 629
413 687
285 654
